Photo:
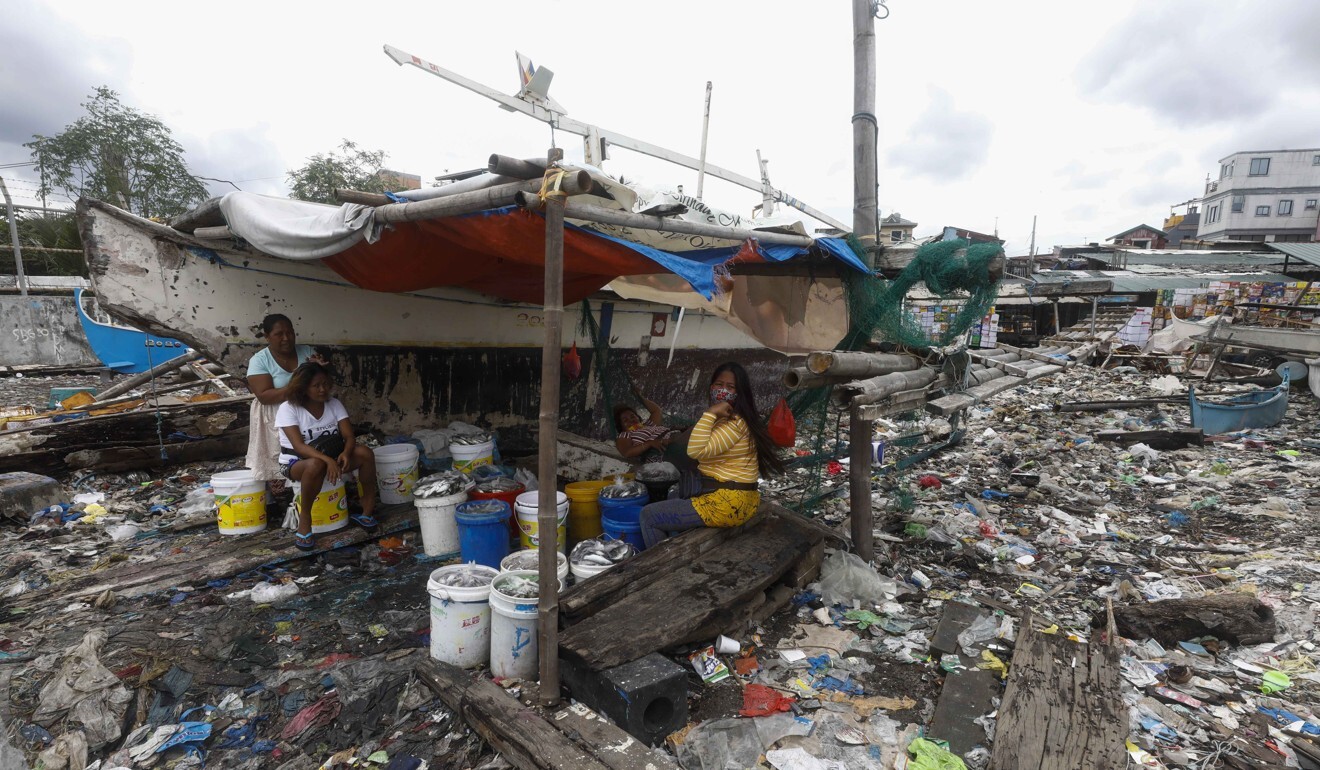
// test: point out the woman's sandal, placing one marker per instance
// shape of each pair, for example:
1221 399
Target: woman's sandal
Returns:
363 520
304 542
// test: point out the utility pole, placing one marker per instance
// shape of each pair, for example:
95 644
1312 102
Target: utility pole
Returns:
866 217
865 128
1032 251
13 235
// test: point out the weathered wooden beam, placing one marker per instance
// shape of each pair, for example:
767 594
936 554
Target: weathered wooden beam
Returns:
846 363
683 602
860 505
1155 439
801 378
117 459
958 401
207 214
573 183
1063 706
519 733
1240 619
547 461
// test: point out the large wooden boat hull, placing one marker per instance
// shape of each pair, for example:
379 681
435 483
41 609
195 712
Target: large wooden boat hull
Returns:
404 361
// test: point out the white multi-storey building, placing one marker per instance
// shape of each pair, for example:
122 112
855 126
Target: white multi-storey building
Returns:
1270 195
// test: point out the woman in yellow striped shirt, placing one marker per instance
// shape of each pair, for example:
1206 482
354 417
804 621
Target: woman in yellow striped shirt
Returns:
732 450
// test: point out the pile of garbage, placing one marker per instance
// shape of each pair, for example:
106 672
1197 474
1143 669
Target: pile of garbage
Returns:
1206 555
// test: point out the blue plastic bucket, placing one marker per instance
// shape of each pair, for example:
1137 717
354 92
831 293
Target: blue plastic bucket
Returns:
627 531
483 531
625 509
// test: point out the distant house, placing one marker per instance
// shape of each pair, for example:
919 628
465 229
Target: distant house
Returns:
895 229
1180 227
956 233
1267 196
1141 237
399 180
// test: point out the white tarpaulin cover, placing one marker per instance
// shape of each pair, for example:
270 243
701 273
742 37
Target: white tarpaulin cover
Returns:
293 229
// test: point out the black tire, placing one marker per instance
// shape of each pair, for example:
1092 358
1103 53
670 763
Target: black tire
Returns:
1265 360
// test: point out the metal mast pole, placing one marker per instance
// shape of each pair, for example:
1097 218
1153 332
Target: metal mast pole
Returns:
705 131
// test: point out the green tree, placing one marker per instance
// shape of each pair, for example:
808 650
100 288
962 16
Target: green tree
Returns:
119 155
348 167
50 241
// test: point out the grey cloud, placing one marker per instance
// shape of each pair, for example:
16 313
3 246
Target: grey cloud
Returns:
1162 192
1076 176
944 143
47 69
245 156
1196 64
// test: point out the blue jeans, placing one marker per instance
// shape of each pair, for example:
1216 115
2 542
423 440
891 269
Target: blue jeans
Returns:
662 519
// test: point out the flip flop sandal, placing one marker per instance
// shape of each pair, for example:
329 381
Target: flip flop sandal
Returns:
304 542
364 521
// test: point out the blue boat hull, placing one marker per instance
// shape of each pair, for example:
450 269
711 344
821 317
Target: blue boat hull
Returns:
125 350
1262 409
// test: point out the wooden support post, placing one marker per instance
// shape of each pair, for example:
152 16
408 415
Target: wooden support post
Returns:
1093 312
547 517
859 483
1055 305
13 236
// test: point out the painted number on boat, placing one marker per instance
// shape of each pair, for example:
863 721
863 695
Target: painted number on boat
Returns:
27 335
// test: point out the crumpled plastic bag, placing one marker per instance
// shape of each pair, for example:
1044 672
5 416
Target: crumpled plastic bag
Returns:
845 578
68 751
722 743
931 756
85 691
760 701
1167 385
799 759
1143 453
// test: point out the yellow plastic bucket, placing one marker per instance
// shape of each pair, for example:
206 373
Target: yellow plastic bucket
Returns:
584 509
527 510
329 510
241 502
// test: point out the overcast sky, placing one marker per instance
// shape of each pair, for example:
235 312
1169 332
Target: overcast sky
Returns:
1094 116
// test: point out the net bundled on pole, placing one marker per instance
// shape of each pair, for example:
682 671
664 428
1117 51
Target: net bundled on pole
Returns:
877 312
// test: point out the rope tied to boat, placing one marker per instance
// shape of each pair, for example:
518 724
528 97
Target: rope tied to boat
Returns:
551 184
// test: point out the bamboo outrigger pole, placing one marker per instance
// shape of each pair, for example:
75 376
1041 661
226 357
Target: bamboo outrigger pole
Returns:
547 519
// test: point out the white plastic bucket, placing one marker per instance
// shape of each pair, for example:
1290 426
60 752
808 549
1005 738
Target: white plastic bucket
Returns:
396 473
583 571
469 456
329 511
527 559
460 618
513 631
527 507
240 500
439 527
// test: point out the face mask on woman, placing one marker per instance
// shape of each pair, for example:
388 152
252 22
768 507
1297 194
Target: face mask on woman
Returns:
719 393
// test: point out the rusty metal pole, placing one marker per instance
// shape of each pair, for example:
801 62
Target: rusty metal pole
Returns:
547 519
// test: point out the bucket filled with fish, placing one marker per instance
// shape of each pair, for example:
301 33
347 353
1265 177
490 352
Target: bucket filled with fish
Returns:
436 497
529 559
472 450
514 598
592 557
460 614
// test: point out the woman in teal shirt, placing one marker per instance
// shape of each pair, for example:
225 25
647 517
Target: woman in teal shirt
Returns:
268 377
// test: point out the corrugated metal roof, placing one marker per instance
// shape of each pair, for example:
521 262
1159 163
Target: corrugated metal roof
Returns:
1142 283
1125 282
1306 252
1201 259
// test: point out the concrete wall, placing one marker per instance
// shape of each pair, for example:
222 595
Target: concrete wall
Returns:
42 331
1293 175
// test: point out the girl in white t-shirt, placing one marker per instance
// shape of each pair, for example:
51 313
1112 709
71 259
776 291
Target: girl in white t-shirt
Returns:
310 414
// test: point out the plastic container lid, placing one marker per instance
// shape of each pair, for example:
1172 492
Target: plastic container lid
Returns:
482 511
533 499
